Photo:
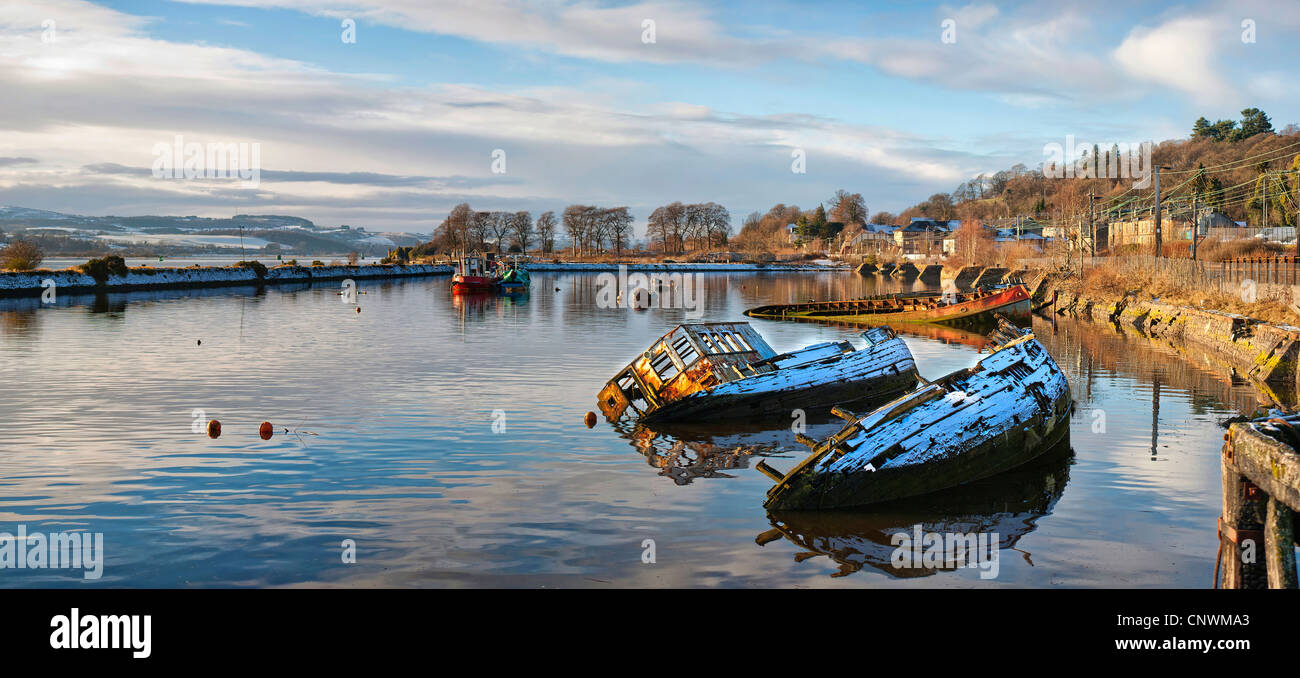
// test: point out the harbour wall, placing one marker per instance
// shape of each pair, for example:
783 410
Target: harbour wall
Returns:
33 283
1258 351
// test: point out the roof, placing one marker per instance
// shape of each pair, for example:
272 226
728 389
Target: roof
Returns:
918 224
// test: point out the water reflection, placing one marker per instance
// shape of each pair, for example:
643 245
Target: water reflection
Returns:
685 452
407 461
1010 505
1091 353
19 323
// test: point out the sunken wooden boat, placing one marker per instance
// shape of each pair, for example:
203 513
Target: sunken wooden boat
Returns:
726 370
1008 505
905 308
1009 408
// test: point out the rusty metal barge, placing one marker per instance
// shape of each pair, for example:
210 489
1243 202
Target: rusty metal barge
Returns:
948 307
974 423
727 370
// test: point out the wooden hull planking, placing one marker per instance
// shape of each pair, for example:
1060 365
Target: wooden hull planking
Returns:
1009 408
900 309
723 370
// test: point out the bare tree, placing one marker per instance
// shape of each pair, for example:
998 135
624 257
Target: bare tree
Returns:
575 225
546 231
477 231
500 225
849 209
521 226
21 255
453 232
618 224
717 224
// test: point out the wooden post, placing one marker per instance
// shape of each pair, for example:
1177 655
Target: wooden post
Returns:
1240 533
1196 226
1279 545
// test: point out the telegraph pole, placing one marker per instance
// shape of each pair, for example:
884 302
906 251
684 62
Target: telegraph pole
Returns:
1092 225
1196 225
1157 221
1265 215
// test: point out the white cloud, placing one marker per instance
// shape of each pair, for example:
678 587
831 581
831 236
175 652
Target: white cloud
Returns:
1180 53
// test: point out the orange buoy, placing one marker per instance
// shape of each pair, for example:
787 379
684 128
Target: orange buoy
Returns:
265 430
591 419
214 429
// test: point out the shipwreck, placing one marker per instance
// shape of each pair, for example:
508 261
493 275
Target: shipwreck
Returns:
898 309
1009 408
727 370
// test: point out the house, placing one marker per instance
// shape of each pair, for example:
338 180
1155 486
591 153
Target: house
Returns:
924 236
1173 226
873 238
1008 236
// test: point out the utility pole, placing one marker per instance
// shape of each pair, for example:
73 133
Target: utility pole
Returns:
1157 221
1092 225
1196 225
1265 215
1297 213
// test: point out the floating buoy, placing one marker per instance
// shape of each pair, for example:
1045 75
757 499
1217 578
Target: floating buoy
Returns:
200 342
358 309
591 419
214 429
557 289
265 430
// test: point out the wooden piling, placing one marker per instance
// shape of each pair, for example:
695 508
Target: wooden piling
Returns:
1279 537
1261 489
1240 535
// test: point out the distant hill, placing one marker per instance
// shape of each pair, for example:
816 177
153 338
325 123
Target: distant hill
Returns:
75 234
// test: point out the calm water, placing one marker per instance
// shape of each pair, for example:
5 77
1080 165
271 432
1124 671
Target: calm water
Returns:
446 438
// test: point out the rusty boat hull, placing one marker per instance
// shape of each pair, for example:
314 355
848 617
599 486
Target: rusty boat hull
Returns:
972 424
905 308
727 371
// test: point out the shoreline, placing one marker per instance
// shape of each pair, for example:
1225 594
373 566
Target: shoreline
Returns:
1259 351
30 283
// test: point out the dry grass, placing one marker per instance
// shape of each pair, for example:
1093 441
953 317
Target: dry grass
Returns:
1175 287
1211 249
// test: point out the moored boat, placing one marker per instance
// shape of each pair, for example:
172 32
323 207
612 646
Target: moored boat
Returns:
933 307
728 370
474 273
514 277
974 423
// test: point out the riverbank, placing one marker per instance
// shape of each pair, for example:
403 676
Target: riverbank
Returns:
32 283
1257 350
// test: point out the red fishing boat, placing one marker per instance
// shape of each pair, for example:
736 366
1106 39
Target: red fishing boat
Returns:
475 273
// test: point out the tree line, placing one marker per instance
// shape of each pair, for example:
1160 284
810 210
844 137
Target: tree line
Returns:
468 229
676 226
589 229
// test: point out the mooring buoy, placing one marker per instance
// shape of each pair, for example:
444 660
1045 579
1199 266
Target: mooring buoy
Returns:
214 429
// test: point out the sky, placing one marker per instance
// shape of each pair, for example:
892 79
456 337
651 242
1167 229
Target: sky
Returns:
386 113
